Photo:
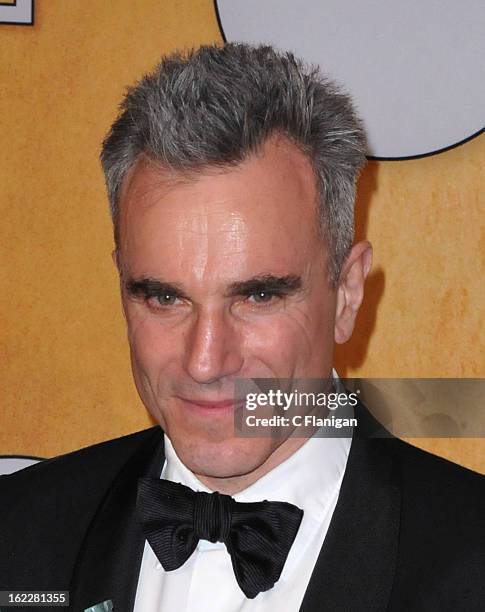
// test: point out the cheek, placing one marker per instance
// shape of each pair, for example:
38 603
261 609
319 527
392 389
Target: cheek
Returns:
152 345
282 343
296 342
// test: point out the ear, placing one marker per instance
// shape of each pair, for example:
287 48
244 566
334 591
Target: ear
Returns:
350 290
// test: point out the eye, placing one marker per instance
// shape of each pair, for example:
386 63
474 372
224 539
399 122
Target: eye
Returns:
164 299
167 299
262 297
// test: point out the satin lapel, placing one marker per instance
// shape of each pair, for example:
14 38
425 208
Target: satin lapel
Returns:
355 568
109 561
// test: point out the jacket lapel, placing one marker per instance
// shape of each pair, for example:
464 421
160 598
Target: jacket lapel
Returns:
356 565
108 564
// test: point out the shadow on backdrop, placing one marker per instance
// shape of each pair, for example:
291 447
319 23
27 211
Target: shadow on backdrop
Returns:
352 354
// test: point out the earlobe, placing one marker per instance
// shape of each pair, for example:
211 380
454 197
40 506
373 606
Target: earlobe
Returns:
350 291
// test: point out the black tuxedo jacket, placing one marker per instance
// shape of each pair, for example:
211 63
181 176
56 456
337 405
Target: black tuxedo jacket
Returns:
407 534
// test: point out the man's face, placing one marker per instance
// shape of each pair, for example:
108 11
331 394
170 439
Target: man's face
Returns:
224 276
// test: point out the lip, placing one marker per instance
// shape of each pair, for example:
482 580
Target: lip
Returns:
211 406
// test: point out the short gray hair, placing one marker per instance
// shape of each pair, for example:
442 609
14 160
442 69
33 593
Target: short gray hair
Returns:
217 105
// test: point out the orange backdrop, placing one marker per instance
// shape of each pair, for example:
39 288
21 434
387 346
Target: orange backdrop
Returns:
64 367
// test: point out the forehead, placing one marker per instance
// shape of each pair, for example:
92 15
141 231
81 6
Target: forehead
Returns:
260 214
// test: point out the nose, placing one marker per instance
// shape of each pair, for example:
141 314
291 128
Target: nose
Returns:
213 347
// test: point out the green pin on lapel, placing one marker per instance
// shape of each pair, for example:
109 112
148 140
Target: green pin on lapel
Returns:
104 606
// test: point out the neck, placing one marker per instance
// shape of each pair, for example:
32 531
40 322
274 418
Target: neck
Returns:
236 484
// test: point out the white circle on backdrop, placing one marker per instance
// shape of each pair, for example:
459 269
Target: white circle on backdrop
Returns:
415 69
8 465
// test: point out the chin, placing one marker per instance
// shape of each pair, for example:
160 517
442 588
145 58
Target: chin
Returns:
224 458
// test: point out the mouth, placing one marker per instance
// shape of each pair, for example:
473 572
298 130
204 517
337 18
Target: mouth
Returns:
211 407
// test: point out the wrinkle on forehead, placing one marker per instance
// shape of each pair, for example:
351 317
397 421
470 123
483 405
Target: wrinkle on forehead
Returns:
262 211
163 178
220 232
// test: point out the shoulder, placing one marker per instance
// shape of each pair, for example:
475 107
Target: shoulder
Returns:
425 479
47 508
430 476
438 494
82 468
442 528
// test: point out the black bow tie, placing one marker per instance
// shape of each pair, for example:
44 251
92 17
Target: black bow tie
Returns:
257 535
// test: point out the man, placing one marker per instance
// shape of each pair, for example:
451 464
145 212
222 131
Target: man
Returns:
231 176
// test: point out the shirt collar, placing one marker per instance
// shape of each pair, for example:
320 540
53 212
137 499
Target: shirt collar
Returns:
307 478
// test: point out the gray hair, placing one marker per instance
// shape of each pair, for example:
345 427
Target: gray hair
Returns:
215 106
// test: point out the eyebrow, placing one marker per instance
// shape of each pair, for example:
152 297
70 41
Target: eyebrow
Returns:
149 287
268 282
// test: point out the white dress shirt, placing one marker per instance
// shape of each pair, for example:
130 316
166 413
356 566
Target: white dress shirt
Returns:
310 479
